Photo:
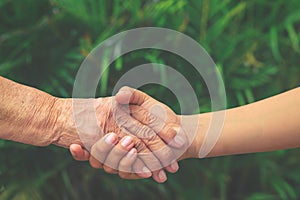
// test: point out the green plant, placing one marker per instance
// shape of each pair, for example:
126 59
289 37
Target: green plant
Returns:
255 45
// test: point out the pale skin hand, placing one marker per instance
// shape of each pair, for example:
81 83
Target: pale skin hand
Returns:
121 151
267 125
33 117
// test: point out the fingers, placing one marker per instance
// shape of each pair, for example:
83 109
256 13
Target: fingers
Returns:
145 162
128 95
101 148
118 157
140 169
154 114
172 167
79 153
159 176
156 156
151 161
155 146
149 113
131 163
117 153
168 132
125 165
122 159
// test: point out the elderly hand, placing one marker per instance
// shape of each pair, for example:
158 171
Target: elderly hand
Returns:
110 117
159 118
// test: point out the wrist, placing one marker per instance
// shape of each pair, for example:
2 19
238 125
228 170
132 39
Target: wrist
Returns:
195 127
65 132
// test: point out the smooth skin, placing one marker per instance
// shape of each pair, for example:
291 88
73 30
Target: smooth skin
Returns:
267 125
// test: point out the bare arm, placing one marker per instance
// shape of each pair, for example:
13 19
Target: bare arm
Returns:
267 125
30 116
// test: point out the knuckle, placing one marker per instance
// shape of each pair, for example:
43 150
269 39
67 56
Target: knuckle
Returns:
140 146
125 168
155 143
144 116
109 170
128 125
137 166
126 88
145 132
98 150
95 164
124 175
121 118
168 133
151 161
175 118
166 156
117 152
122 166
150 119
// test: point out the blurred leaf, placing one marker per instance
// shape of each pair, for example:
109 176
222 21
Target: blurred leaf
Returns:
254 43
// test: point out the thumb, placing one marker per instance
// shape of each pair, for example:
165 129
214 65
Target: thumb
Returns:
127 95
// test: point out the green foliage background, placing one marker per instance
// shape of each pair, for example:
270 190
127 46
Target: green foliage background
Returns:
255 45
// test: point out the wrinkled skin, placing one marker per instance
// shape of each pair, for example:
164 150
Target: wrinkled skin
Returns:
112 118
164 124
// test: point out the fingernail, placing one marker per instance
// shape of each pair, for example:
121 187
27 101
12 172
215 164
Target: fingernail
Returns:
179 140
130 153
162 175
175 166
110 139
123 92
126 141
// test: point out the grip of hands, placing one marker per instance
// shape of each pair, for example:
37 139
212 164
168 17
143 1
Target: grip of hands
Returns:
141 138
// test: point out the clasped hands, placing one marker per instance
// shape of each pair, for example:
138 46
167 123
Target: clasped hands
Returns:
141 138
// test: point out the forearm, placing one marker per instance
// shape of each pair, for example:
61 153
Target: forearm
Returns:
28 115
267 125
